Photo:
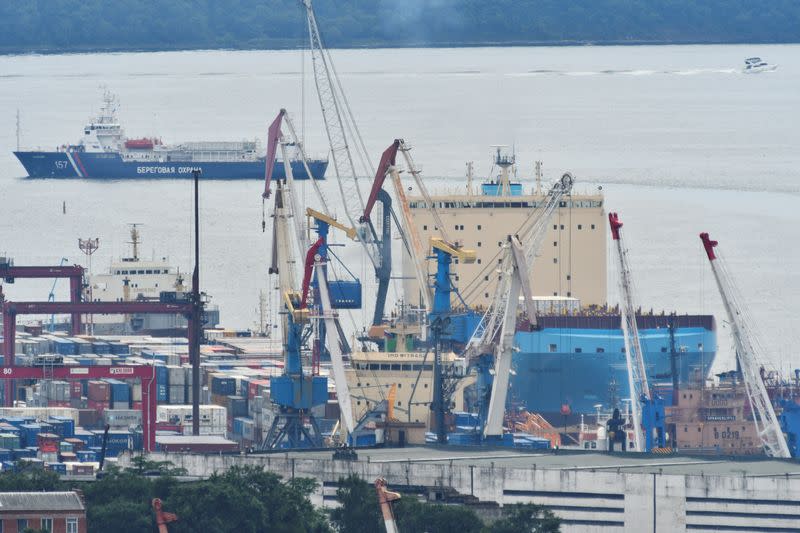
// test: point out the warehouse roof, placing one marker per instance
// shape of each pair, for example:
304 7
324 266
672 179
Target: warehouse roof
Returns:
40 501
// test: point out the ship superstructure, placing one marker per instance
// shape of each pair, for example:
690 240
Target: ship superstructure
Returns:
104 152
134 278
572 262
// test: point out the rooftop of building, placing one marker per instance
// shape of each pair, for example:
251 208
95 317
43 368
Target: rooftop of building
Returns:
40 501
567 460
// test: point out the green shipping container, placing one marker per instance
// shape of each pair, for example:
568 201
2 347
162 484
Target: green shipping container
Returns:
9 441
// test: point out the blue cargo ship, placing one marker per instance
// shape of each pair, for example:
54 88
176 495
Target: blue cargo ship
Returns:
573 363
105 153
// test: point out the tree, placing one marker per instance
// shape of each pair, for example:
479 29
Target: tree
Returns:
413 515
526 518
359 511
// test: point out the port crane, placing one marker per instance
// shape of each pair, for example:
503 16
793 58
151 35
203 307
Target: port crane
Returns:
295 392
385 500
350 162
747 354
492 343
647 409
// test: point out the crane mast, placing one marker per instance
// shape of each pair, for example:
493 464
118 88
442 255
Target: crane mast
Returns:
340 127
494 335
634 358
744 339
531 234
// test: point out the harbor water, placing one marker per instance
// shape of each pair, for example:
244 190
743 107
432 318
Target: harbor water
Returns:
679 140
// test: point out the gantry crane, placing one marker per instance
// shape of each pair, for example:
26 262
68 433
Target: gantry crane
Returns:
747 354
647 409
491 346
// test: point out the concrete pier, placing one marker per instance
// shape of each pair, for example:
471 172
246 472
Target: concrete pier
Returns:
591 492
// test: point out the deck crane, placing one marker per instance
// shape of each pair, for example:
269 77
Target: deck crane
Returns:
767 425
649 427
345 140
491 346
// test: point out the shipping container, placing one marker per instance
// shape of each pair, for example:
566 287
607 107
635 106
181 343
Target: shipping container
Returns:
99 391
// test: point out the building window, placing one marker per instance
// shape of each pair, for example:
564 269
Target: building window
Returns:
601 350
479 244
552 348
425 227
580 227
72 525
664 350
479 261
555 243
499 243
555 260
562 226
486 278
569 277
486 295
22 523
578 350
479 227
456 227
555 226
47 524
569 294
592 226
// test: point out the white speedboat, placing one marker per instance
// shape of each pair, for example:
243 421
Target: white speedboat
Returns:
753 65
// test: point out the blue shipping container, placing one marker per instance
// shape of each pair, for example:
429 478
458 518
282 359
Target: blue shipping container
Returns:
86 456
223 386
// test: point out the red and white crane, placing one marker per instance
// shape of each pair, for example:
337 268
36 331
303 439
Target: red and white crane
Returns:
747 353
634 358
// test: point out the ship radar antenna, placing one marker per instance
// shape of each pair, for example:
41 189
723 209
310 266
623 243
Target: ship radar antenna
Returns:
504 161
135 240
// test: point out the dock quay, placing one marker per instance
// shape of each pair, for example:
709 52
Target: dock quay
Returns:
590 492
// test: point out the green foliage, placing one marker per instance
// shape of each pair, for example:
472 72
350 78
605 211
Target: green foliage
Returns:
359 511
29 477
245 500
80 25
413 515
526 518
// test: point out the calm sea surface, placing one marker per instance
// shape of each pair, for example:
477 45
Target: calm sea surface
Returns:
678 138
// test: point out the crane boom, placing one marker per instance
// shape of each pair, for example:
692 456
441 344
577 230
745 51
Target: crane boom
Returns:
746 342
634 358
340 127
531 235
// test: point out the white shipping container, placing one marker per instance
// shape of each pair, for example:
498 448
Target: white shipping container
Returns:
118 418
136 391
177 375
214 416
39 413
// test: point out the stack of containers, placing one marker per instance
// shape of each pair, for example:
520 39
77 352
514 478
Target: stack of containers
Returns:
222 386
162 384
76 394
98 395
177 385
63 426
120 394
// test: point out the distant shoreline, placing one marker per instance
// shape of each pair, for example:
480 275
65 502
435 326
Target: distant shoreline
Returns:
294 45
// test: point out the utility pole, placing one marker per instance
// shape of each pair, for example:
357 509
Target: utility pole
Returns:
89 247
197 312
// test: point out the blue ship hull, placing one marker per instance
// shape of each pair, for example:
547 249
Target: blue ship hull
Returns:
575 360
110 165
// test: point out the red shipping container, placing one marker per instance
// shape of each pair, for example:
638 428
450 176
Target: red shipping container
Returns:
47 442
99 391
75 389
98 407
57 403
